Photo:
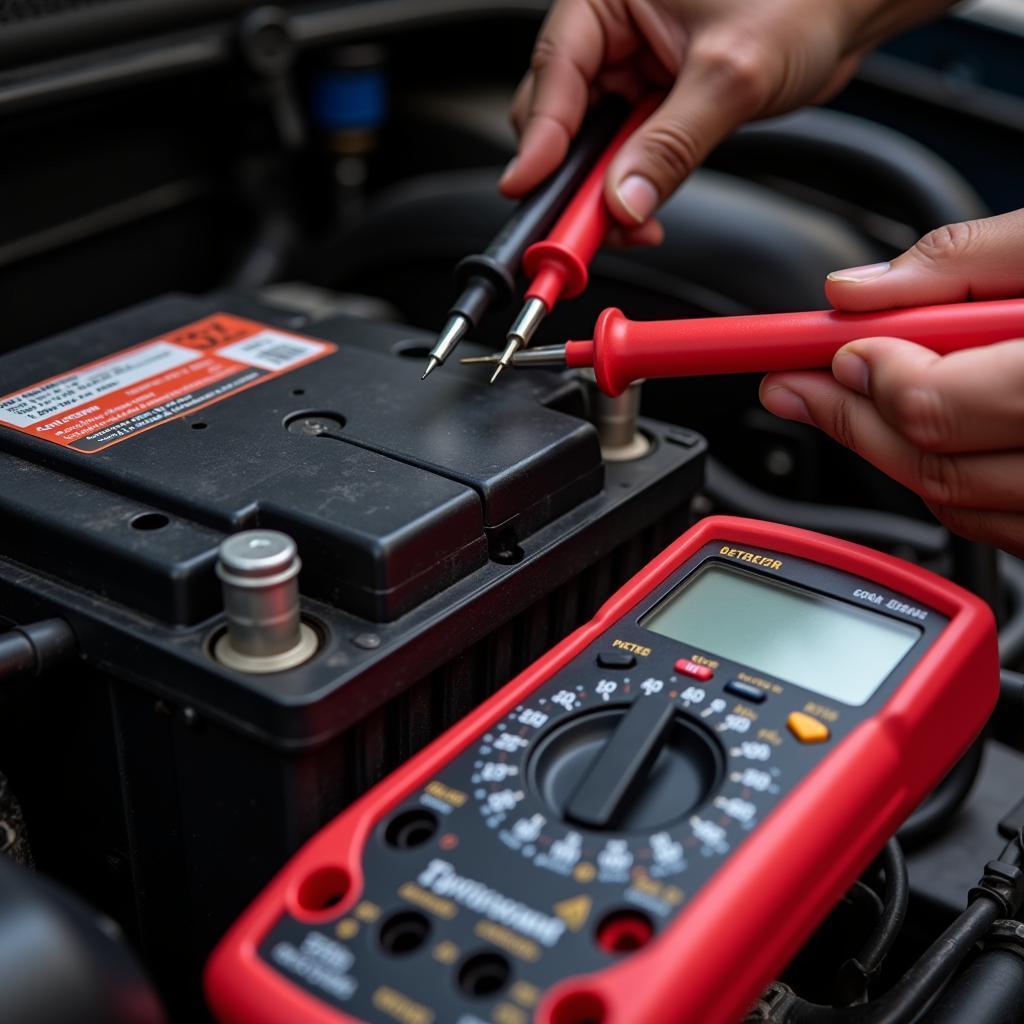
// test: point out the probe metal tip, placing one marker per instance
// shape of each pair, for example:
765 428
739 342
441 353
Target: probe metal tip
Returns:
452 333
513 346
470 360
525 326
545 355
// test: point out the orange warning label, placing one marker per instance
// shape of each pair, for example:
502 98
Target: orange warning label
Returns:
112 399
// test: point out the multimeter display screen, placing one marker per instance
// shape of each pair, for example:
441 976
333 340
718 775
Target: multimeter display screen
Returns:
830 647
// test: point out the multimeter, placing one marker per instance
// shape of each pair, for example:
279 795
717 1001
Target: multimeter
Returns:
647 823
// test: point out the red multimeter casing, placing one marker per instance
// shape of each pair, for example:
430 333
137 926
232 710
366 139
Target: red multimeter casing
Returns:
457 891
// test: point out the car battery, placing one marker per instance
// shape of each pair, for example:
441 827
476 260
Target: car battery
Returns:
448 532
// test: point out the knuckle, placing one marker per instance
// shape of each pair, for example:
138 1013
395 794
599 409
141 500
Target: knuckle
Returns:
545 50
672 149
947 243
939 479
924 417
842 428
743 67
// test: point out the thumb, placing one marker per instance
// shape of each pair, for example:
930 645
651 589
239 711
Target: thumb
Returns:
718 89
978 259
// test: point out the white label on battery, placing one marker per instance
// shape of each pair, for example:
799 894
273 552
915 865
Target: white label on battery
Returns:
271 350
71 390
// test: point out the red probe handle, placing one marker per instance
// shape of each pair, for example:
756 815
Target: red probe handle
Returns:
627 350
558 265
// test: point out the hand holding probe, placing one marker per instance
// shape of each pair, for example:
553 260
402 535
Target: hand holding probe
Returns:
558 265
623 351
489 277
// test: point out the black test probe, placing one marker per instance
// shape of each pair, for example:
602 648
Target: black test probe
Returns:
489 277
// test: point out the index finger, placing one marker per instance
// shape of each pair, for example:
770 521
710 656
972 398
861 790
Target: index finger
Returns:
567 57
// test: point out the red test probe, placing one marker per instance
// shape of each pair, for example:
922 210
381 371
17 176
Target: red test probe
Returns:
558 265
623 351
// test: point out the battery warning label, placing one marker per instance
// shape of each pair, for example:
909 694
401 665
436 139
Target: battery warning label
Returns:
112 399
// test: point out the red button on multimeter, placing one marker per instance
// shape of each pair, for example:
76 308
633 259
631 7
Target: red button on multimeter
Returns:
626 845
694 670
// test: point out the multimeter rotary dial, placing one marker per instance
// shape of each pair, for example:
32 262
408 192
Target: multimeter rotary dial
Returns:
626 768
596 781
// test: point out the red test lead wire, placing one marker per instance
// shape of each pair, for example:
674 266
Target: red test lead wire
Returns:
623 351
558 266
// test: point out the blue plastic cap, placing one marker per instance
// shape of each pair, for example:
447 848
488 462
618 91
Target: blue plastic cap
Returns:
345 100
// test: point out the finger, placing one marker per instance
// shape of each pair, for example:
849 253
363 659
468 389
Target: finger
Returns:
720 86
567 56
985 481
978 259
520 105
968 401
1000 529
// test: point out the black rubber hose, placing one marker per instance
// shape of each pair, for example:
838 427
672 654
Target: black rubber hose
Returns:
880 160
860 971
990 991
918 987
868 899
921 984
937 809
882 529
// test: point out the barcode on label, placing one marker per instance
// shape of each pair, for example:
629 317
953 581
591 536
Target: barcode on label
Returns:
270 350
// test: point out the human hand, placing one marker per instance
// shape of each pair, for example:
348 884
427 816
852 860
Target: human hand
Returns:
723 62
951 428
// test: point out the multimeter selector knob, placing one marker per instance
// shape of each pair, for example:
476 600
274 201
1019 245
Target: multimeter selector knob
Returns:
626 768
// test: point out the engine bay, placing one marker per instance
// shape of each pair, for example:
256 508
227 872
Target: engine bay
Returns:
227 243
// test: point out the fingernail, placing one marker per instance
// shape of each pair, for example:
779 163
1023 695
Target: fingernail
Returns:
858 275
786 404
851 371
509 168
638 196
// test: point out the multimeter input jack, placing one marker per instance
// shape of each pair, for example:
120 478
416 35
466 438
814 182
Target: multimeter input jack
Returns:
411 829
624 931
483 975
403 933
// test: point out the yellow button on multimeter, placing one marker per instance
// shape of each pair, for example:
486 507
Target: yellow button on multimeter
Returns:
806 728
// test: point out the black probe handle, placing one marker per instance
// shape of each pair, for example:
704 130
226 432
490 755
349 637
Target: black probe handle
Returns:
490 276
